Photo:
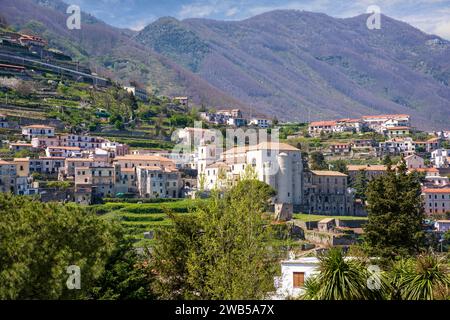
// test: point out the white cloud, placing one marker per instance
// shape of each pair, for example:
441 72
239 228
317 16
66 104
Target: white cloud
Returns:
196 11
232 12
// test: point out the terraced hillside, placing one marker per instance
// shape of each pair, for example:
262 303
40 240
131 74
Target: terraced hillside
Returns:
138 218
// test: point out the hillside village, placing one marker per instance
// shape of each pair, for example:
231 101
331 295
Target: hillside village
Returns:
69 135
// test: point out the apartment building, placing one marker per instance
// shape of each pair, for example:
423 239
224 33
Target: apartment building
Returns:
340 148
36 130
8 175
379 123
397 146
317 127
157 182
400 131
349 125
441 158
436 200
326 192
371 171
62 151
126 180
82 141
428 146
100 180
19 146
115 149
132 161
72 164
47 165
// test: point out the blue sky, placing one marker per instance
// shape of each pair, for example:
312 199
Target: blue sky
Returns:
431 16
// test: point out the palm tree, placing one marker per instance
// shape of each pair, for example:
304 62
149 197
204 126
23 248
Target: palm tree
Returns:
341 278
428 279
398 271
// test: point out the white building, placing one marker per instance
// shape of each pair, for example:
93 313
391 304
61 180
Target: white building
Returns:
38 130
379 123
260 122
140 94
440 158
442 225
277 164
404 146
294 273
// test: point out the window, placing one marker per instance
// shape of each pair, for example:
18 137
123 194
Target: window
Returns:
298 279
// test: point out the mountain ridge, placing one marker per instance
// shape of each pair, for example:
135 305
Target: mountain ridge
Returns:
295 65
334 77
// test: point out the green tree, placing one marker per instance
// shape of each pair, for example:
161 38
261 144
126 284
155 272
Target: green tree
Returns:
211 254
38 241
341 278
318 161
170 257
127 276
425 277
234 245
387 161
395 214
339 165
360 184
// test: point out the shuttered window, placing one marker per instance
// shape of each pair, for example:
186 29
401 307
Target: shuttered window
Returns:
298 279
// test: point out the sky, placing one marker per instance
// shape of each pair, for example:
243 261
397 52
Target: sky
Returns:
431 16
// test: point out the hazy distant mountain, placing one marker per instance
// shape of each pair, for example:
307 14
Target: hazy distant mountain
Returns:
110 51
301 65
292 64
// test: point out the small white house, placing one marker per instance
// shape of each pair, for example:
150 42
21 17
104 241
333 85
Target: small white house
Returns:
293 276
261 123
442 225
38 130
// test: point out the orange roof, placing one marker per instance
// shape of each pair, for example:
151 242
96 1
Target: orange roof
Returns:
52 158
382 116
38 126
64 148
152 168
137 157
435 190
80 160
21 144
413 156
426 170
274 146
398 128
349 120
367 167
218 165
322 123
328 173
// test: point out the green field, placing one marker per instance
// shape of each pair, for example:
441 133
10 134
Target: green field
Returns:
138 218
316 217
